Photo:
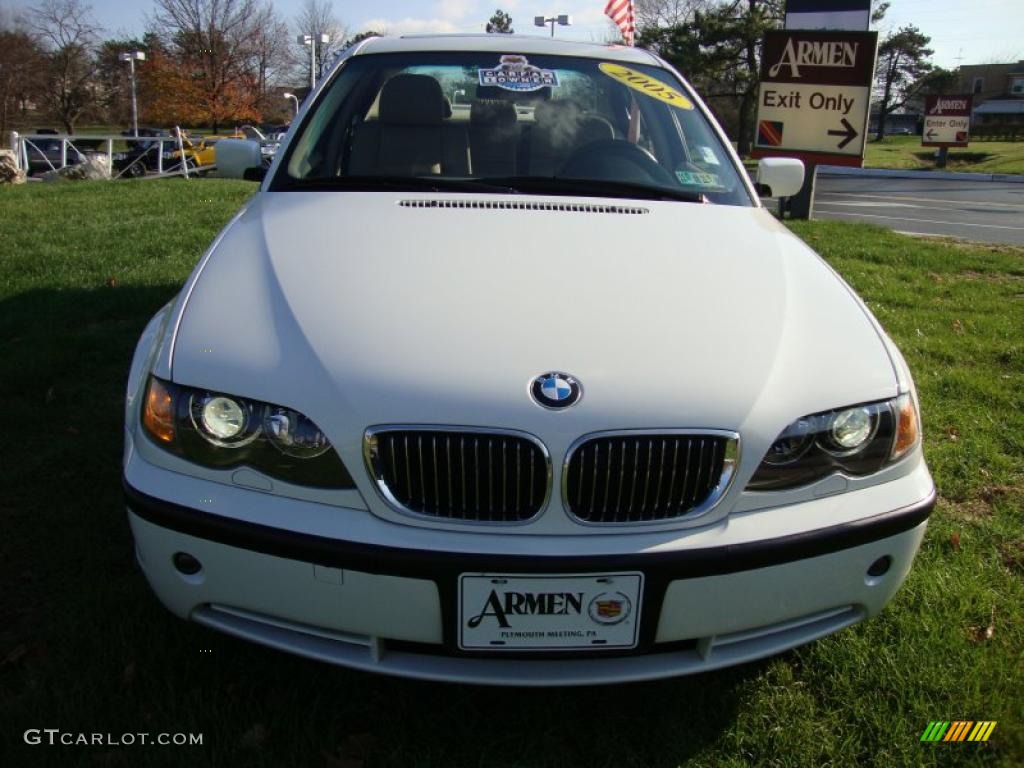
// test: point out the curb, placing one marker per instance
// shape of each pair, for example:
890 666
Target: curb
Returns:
838 170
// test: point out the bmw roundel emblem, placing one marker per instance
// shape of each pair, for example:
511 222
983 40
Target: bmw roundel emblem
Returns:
556 390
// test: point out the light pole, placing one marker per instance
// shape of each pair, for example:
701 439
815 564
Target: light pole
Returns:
562 20
131 57
294 98
311 41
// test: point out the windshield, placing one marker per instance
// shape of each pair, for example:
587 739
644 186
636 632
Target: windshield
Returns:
510 123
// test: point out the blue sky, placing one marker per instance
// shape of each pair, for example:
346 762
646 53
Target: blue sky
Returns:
979 31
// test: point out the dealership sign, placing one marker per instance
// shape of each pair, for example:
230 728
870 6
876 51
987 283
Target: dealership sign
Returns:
947 121
828 14
815 92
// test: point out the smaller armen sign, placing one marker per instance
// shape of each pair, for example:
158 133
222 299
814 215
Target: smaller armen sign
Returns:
947 121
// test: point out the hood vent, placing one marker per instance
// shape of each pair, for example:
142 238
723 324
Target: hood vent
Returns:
523 205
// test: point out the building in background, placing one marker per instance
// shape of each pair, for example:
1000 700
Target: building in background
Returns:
998 91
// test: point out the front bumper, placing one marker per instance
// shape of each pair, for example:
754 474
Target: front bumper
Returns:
394 609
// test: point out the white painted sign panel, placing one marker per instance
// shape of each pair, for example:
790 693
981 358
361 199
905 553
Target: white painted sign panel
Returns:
852 15
813 118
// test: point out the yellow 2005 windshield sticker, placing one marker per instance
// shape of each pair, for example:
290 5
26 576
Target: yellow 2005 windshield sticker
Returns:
638 81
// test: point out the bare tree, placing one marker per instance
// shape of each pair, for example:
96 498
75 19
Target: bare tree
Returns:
667 13
213 40
68 33
317 18
271 53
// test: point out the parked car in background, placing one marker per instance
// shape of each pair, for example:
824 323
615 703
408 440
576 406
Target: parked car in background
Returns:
45 154
532 393
142 156
269 142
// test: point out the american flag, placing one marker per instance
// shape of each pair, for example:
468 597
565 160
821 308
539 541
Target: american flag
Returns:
621 12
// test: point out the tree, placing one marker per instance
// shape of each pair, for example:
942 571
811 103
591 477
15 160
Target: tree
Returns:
271 54
500 23
207 73
68 35
902 67
667 13
878 10
21 61
317 18
359 38
938 81
720 51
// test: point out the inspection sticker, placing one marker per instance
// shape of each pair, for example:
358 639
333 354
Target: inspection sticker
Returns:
698 179
638 81
515 73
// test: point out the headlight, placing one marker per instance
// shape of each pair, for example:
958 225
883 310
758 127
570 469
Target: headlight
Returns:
224 421
223 431
120 155
169 155
856 441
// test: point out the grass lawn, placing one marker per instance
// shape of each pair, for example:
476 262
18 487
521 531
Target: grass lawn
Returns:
85 646
980 156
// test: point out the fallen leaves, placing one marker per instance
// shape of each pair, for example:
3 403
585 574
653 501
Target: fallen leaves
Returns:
1012 555
984 634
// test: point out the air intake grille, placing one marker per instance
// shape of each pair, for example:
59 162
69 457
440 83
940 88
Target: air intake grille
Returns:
524 205
480 476
642 478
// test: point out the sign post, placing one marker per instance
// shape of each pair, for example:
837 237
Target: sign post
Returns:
814 99
947 123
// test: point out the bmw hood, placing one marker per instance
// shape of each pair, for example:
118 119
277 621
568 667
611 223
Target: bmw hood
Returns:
362 309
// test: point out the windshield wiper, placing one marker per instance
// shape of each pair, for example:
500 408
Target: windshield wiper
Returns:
540 185
399 184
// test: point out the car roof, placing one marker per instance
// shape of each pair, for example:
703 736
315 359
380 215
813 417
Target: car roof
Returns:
501 44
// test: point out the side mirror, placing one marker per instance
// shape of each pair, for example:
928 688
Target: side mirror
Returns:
783 176
236 156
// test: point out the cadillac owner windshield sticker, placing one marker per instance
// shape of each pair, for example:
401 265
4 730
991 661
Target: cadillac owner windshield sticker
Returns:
515 73
638 81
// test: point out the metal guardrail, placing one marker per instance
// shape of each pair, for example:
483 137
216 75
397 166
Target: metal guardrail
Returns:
24 144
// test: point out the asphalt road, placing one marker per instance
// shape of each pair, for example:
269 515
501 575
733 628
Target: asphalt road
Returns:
987 211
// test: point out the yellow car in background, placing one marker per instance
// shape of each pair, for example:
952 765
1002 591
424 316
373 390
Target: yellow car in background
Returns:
200 155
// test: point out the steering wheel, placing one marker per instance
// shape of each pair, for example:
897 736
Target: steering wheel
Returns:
615 160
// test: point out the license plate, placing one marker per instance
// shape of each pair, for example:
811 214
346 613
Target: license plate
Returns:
520 612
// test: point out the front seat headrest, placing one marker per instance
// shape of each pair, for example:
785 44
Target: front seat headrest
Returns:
416 99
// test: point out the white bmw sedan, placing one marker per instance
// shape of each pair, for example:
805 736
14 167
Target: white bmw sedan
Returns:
506 376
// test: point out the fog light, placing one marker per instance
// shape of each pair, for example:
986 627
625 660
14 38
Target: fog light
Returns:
186 564
880 567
